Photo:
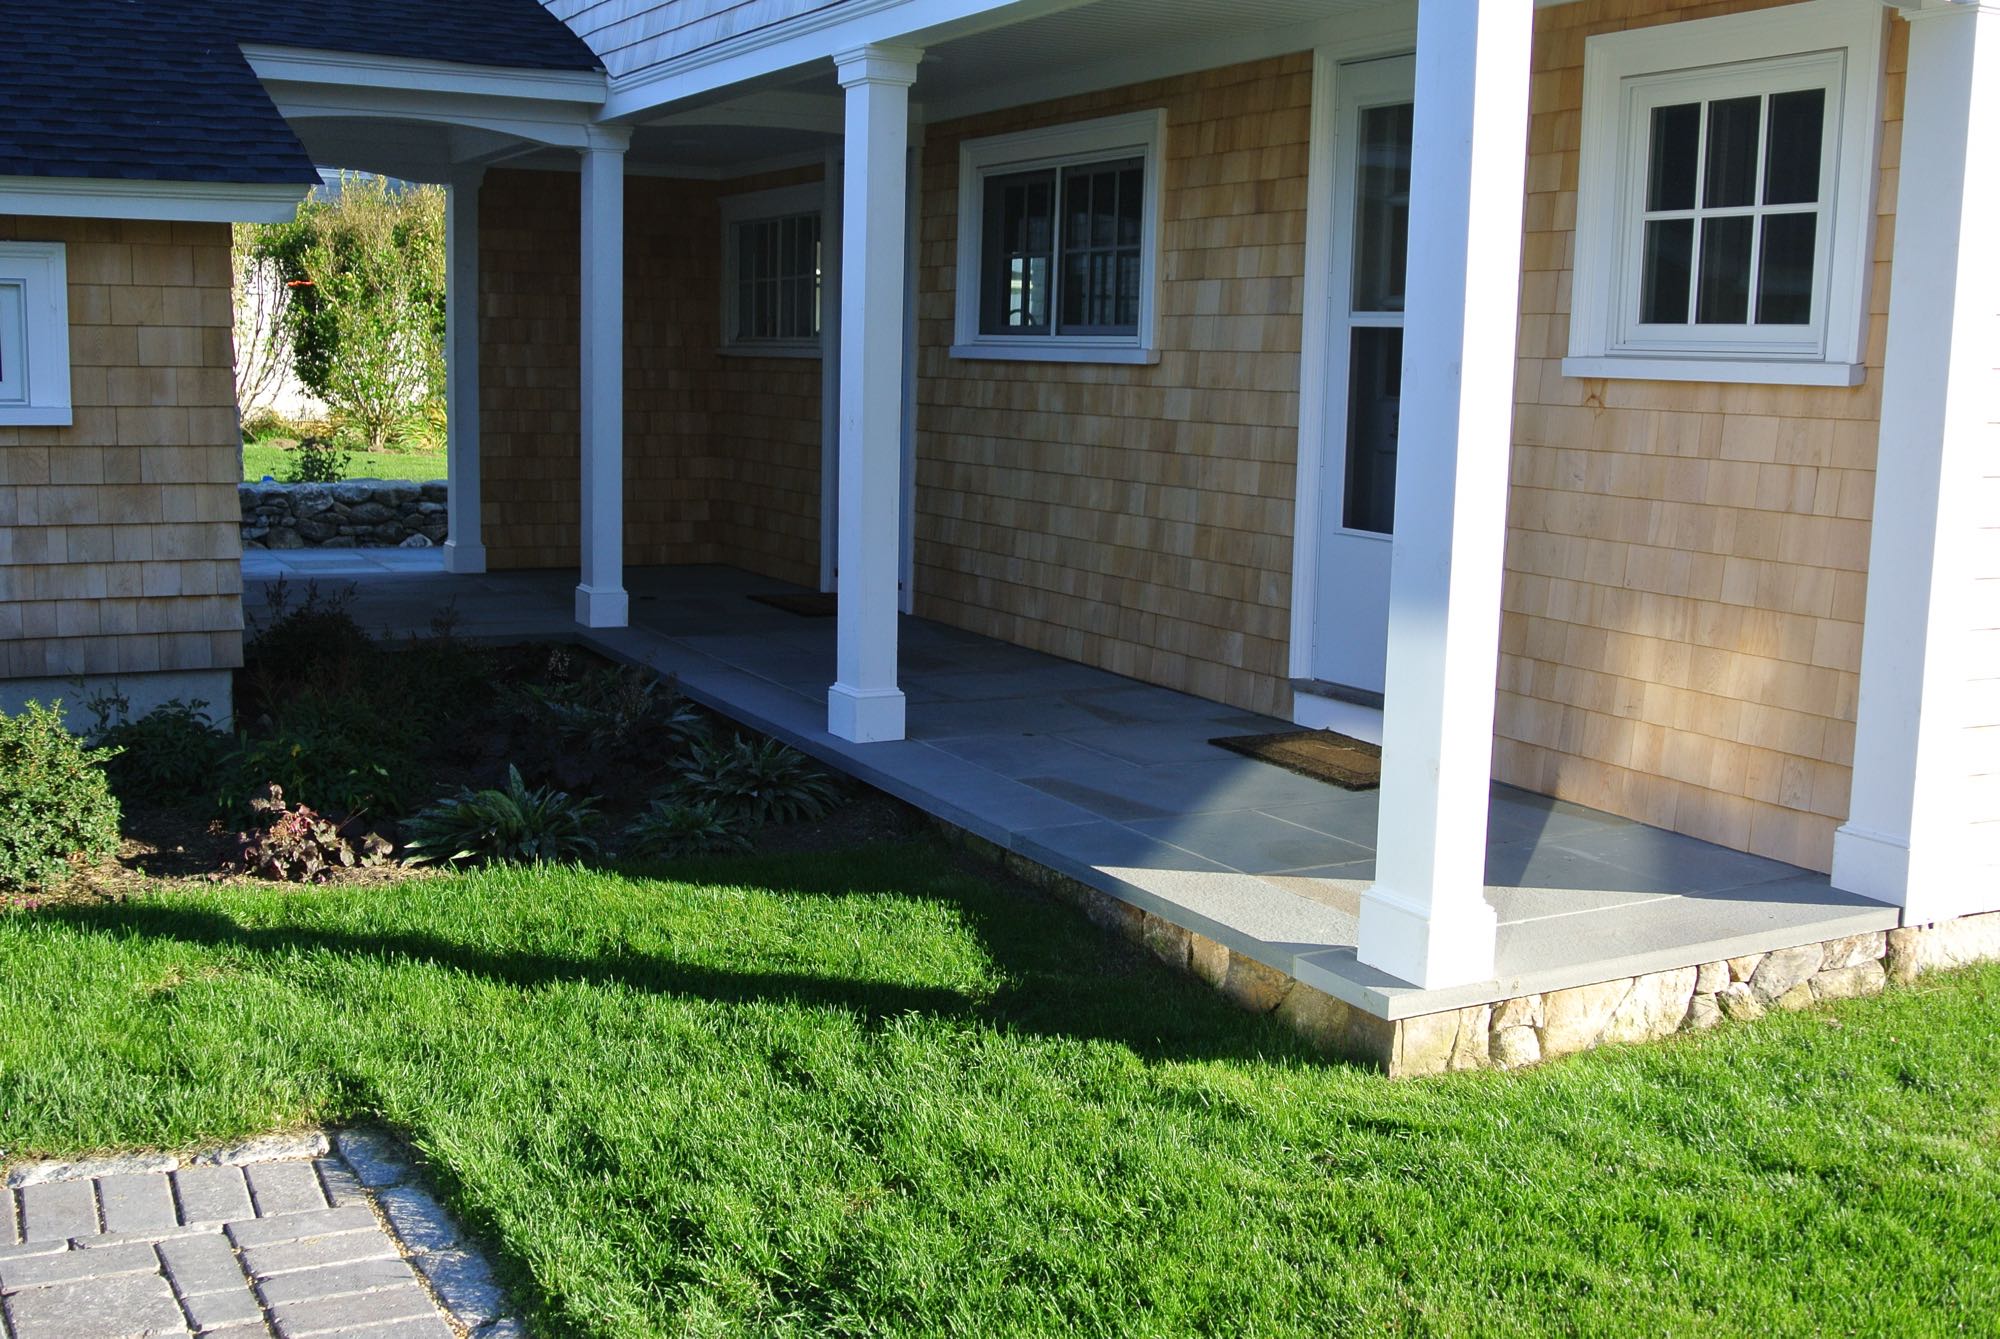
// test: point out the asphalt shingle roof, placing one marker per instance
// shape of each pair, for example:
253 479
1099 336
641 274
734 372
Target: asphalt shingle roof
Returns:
158 89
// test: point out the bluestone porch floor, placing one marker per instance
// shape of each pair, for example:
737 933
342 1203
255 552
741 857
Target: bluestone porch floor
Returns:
1114 782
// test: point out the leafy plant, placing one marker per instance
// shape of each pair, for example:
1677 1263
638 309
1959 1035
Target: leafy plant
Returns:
312 643
299 845
55 802
760 782
610 709
316 460
676 828
512 826
338 752
168 756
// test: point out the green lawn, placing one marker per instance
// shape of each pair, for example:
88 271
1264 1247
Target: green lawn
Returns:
880 1093
272 457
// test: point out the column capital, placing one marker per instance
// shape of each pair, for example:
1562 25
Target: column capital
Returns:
607 138
465 176
878 64
1913 10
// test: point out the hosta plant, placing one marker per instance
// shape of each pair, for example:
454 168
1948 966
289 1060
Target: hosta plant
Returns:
299 845
761 781
511 826
676 828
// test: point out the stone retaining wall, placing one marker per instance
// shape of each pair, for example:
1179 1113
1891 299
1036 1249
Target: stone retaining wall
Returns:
1531 1028
355 514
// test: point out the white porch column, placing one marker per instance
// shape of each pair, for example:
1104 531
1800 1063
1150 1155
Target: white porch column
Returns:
1908 837
1426 919
600 596
464 548
864 704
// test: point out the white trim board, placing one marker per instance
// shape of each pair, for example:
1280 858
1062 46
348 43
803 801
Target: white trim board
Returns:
36 278
176 201
346 69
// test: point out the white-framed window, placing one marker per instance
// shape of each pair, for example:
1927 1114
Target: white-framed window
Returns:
774 270
34 335
1058 242
1724 210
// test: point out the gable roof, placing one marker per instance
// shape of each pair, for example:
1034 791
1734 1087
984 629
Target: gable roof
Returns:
158 90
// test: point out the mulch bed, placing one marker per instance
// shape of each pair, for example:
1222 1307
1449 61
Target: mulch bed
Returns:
1339 760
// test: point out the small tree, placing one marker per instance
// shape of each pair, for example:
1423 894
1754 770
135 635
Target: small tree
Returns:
263 353
366 320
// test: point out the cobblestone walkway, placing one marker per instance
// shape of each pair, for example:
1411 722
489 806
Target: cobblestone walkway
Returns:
284 1236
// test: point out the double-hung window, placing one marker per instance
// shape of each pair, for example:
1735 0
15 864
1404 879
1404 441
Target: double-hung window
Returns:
1058 232
1724 210
34 335
774 269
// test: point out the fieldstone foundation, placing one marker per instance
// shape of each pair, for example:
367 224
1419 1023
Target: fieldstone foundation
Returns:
1526 1030
355 514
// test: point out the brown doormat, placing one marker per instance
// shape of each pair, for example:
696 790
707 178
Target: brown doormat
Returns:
1352 764
805 606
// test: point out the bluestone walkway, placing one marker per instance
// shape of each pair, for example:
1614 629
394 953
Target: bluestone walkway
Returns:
1115 783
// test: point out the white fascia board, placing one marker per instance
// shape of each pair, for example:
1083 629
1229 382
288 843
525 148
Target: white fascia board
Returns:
176 201
345 69
818 36
1388 30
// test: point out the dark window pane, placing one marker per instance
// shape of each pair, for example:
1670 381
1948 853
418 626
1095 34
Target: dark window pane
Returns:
1374 409
1676 147
1663 287
1076 209
1016 254
1791 155
745 300
1076 291
1131 206
1128 289
1723 290
1785 276
1732 152
1382 208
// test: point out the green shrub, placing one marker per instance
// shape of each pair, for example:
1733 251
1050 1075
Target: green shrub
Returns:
301 846
759 782
316 460
54 800
337 752
609 709
169 756
311 643
512 826
676 828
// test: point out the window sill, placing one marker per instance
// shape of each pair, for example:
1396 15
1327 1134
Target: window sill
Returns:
36 416
769 351
1123 355
1747 371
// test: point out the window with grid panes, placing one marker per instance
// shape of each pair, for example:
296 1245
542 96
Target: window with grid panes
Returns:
777 280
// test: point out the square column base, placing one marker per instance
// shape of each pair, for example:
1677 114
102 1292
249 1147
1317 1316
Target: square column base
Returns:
1428 950
464 559
864 716
599 607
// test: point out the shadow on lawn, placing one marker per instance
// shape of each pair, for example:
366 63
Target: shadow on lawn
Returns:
1062 977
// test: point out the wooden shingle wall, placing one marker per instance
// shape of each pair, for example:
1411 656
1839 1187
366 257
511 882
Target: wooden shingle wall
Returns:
721 454
1135 518
119 539
1687 563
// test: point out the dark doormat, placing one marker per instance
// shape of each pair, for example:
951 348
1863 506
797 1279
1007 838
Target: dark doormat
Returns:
805 606
1351 764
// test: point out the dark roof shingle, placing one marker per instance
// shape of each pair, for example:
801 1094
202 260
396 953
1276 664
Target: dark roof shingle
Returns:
158 89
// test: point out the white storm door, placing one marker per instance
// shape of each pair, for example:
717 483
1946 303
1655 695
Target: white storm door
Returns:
1363 371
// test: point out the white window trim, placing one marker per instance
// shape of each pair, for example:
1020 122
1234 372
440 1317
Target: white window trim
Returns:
1135 135
1601 344
42 399
760 207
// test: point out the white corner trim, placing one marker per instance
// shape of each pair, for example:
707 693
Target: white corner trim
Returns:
1852 29
346 69
1142 134
1744 371
34 335
1056 351
178 201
